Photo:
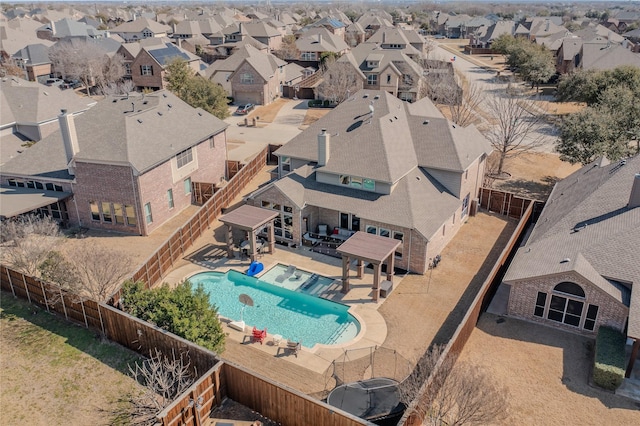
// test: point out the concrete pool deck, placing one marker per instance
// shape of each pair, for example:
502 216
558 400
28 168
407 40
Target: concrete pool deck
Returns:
318 359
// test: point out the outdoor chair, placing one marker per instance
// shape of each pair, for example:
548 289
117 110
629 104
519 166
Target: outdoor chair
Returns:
286 274
323 230
258 335
293 347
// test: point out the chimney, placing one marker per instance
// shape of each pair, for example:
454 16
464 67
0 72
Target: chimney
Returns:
320 38
634 198
547 26
384 37
324 148
240 27
69 137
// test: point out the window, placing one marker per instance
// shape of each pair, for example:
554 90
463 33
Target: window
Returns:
13 182
590 320
286 163
541 301
246 78
118 214
308 56
565 310
372 229
39 185
146 69
31 184
372 79
185 157
569 288
212 142
95 213
106 212
385 232
344 180
266 204
369 184
399 236
57 188
147 213
465 206
131 215
170 198
344 220
127 68
187 186
147 34
356 182
388 78
49 186
355 223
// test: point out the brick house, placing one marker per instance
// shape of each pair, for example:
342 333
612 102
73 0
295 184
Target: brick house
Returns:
34 59
148 67
129 162
383 166
141 28
580 266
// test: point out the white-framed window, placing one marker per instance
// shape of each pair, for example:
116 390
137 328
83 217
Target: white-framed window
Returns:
372 64
146 69
372 229
95 211
106 212
170 198
147 34
372 79
147 213
357 182
286 163
246 78
127 68
308 56
118 213
388 78
130 212
187 186
567 303
465 206
369 184
385 232
185 157
397 235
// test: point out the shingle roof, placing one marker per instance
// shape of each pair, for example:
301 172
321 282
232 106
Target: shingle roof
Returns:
36 54
140 24
264 63
587 222
111 132
261 29
310 41
167 51
607 56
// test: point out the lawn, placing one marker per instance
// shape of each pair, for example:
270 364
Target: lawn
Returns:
55 372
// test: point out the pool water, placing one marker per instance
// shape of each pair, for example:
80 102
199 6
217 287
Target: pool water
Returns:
308 282
293 315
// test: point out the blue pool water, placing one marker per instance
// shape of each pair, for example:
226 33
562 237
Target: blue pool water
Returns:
301 280
293 315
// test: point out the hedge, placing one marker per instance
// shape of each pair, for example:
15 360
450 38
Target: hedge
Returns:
608 371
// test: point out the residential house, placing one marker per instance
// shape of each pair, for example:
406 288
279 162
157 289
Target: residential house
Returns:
354 34
455 26
17 33
34 60
316 41
139 29
380 165
408 41
579 268
538 27
30 111
249 75
128 164
68 28
484 36
600 55
265 34
371 23
568 56
390 70
148 68
334 25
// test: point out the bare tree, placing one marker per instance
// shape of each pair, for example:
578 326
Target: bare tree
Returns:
86 62
27 240
430 46
288 48
121 88
462 99
163 380
515 125
458 393
340 79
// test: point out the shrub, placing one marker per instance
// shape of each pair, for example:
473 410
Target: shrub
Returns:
315 103
608 370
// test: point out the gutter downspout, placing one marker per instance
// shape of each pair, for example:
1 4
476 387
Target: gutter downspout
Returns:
137 202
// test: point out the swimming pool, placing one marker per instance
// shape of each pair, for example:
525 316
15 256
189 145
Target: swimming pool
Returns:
301 280
293 315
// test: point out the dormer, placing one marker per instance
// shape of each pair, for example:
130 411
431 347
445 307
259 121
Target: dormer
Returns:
373 60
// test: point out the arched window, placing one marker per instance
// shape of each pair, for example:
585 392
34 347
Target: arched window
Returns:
569 288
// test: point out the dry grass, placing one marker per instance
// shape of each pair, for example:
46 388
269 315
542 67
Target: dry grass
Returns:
546 374
561 108
268 113
314 114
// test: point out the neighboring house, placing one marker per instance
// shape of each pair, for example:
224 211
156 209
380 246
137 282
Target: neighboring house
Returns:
354 34
265 34
538 27
568 57
316 41
140 29
408 41
371 22
148 68
249 75
484 36
331 24
29 112
600 55
127 165
34 60
200 27
580 266
68 28
455 26
383 166
17 33
387 69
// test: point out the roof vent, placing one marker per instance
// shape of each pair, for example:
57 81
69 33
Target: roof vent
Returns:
139 121
114 101
169 105
164 95
145 102
376 97
160 113
365 96
200 114
425 122
565 260
453 125
45 93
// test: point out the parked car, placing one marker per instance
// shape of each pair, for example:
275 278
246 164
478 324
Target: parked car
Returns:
54 82
245 109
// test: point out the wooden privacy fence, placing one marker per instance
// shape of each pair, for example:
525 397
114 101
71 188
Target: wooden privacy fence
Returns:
502 202
286 406
468 323
160 262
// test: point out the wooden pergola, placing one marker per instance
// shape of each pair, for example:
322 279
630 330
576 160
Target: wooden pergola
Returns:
250 219
372 249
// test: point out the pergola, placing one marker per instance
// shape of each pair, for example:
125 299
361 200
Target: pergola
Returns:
249 219
368 248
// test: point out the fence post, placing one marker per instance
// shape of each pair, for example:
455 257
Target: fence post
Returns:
64 306
44 294
10 282
24 281
84 314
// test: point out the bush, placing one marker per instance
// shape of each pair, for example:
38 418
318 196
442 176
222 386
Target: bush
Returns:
608 370
317 103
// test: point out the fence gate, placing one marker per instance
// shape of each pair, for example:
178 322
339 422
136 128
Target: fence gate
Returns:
202 191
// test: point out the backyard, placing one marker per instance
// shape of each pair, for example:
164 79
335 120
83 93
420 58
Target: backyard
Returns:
546 374
54 372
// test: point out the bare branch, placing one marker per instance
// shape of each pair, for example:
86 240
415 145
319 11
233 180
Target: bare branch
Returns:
340 80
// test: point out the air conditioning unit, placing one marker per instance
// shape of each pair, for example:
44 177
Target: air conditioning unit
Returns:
473 208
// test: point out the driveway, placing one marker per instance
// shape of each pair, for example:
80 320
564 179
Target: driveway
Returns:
246 141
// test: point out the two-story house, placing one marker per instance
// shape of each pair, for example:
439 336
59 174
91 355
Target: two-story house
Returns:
141 28
380 165
127 165
34 60
313 42
148 67
408 42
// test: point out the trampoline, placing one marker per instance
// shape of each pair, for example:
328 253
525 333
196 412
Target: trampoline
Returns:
372 399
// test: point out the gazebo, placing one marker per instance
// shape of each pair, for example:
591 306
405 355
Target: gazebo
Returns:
368 248
249 219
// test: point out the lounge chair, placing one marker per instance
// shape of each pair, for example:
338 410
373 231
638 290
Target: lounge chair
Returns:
293 347
258 335
323 230
286 274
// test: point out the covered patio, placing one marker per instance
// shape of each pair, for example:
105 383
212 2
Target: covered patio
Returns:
372 249
250 219
15 201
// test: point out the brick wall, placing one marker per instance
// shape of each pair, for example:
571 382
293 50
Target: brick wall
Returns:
523 296
35 71
243 92
155 80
